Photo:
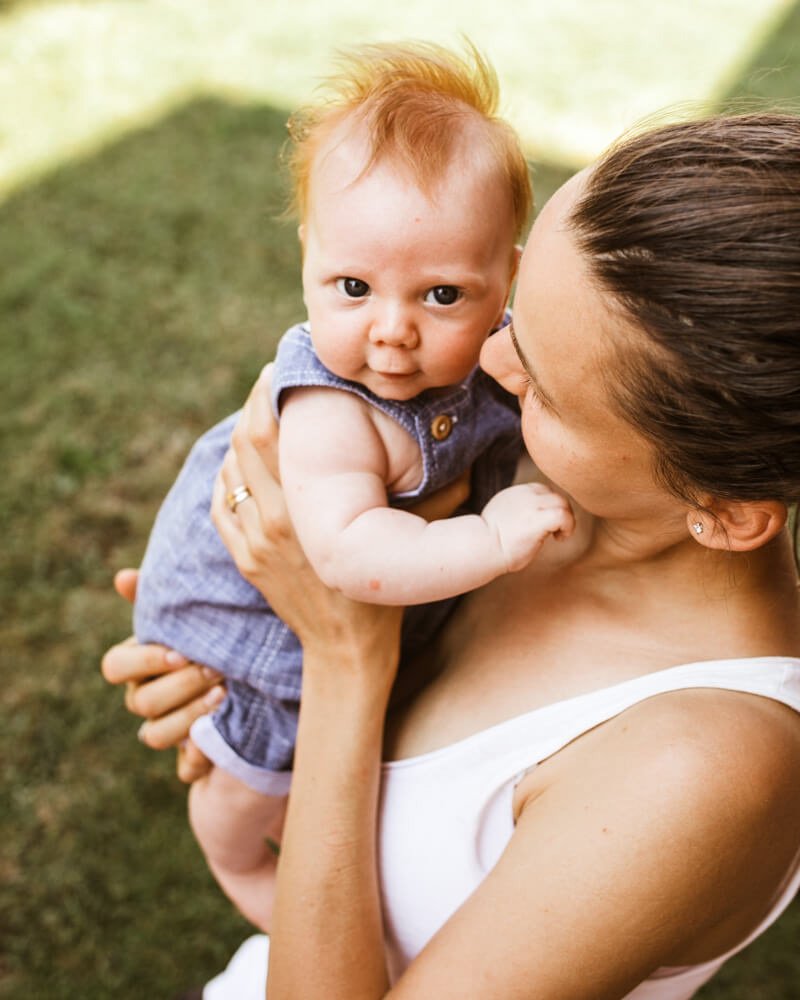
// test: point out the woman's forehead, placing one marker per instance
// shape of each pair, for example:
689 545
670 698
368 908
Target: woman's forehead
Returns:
558 305
558 207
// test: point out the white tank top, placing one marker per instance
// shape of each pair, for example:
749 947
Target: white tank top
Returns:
446 816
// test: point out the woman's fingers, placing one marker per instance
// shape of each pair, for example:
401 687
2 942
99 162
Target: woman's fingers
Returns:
173 728
259 525
169 692
231 523
257 428
250 462
165 688
125 582
133 661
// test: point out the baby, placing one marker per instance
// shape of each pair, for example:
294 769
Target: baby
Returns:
411 196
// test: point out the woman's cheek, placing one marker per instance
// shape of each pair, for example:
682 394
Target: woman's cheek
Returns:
538 435
530 431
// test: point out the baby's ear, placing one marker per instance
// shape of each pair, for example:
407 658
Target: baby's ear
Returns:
737 525
301 234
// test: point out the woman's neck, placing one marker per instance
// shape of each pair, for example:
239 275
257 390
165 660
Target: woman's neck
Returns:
609 604
751 596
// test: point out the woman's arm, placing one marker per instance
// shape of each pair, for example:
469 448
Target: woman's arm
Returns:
327 891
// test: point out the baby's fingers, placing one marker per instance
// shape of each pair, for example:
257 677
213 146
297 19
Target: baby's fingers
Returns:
557 513
561 523
564 519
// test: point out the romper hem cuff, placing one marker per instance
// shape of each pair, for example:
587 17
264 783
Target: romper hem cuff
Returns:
221 754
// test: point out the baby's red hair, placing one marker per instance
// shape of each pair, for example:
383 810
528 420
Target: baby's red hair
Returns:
420 103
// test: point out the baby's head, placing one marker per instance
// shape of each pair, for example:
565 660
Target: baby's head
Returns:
411 196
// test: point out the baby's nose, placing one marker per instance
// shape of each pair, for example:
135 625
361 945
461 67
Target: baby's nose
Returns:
395 327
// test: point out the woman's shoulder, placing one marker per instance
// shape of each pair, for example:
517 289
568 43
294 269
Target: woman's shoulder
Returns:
718 742
718 737
703 786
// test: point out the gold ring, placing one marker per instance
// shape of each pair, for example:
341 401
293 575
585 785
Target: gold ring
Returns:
237 495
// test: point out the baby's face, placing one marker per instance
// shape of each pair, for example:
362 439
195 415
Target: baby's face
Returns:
402 289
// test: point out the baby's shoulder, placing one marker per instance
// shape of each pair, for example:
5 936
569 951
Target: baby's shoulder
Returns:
317 419
333 410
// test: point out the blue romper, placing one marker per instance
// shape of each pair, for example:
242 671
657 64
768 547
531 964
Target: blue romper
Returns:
192 598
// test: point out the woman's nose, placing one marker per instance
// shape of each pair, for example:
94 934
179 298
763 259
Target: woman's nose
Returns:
499 359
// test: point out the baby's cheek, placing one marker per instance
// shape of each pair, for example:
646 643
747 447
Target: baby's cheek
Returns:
339 354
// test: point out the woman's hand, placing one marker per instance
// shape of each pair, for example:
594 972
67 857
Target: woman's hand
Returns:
260 538
165 689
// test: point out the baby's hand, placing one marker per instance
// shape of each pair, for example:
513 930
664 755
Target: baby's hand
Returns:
521 517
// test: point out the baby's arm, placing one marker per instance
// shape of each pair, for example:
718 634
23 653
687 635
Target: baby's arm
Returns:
334 466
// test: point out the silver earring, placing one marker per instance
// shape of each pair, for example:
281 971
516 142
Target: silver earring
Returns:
697 528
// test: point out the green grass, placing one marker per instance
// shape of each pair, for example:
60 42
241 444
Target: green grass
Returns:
144 280
141 293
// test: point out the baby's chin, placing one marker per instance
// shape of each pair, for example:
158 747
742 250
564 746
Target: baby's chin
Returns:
401 389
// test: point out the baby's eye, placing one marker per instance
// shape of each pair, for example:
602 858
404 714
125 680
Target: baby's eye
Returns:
353 288
443 295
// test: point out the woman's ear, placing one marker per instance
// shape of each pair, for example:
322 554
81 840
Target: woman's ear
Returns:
737 525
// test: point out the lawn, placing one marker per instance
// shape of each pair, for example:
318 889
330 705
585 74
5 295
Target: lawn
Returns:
145 277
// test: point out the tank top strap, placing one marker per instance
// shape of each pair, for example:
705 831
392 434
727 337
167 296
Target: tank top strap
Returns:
534 737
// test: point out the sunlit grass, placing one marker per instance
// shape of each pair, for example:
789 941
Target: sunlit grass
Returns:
75 75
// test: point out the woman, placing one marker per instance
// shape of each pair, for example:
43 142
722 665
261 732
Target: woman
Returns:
596 795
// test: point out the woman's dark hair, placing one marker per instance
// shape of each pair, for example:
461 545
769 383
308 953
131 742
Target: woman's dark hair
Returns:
694 230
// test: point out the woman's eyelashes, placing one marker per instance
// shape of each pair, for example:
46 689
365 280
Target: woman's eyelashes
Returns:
532 394
530 390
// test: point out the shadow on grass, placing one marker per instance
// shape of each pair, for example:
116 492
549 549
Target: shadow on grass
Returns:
141 291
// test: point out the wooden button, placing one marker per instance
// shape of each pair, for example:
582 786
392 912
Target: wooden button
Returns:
441 427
